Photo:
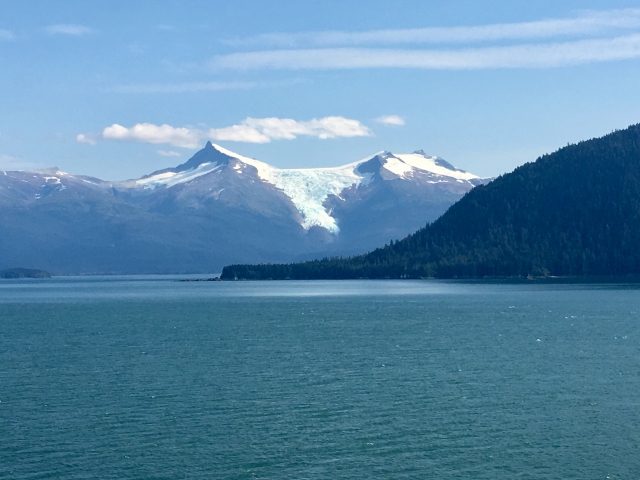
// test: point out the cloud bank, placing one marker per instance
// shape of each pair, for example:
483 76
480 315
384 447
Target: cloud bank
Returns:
250 130
68 29
598 36
586 23
518 56
156 134
263 130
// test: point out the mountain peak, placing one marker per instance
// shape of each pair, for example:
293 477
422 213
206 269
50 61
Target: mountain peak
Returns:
210 154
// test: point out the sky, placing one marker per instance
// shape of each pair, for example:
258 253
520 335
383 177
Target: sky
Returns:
119 89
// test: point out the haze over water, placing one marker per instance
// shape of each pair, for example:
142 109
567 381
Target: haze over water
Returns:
144 377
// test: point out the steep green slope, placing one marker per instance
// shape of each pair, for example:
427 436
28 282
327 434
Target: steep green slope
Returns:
573 212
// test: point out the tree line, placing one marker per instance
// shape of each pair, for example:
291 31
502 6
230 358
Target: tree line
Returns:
574 212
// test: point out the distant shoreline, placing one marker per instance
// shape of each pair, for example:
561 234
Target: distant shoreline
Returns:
17 273
620 279
23 273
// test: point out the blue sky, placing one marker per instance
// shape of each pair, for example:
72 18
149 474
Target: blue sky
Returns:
119 89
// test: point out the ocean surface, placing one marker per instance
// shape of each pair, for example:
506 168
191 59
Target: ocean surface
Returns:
150 378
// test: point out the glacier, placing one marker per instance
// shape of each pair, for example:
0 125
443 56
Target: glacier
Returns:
309 188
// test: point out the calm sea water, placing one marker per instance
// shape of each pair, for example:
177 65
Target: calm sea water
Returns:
152 378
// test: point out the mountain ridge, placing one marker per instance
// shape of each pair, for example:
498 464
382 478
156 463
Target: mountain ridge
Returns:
218 207
570 213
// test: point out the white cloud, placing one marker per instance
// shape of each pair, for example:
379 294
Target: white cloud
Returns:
600 36
68 29
587 23
517 56
390 120
169 153
263 130
82 138
7 35
238 133
251 130
156 134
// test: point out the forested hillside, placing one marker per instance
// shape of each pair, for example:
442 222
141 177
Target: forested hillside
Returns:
572 212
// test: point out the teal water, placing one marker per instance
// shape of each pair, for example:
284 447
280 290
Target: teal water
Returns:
152 378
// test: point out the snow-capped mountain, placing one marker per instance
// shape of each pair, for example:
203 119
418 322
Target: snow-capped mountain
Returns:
309 188
219 207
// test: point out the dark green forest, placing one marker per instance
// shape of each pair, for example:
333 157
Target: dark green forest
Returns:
574 212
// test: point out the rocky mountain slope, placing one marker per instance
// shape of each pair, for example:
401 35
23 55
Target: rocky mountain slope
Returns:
217 208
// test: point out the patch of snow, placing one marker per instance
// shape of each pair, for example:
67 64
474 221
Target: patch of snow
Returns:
170 179
398 167
56 180
428 164
160 177
263 168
